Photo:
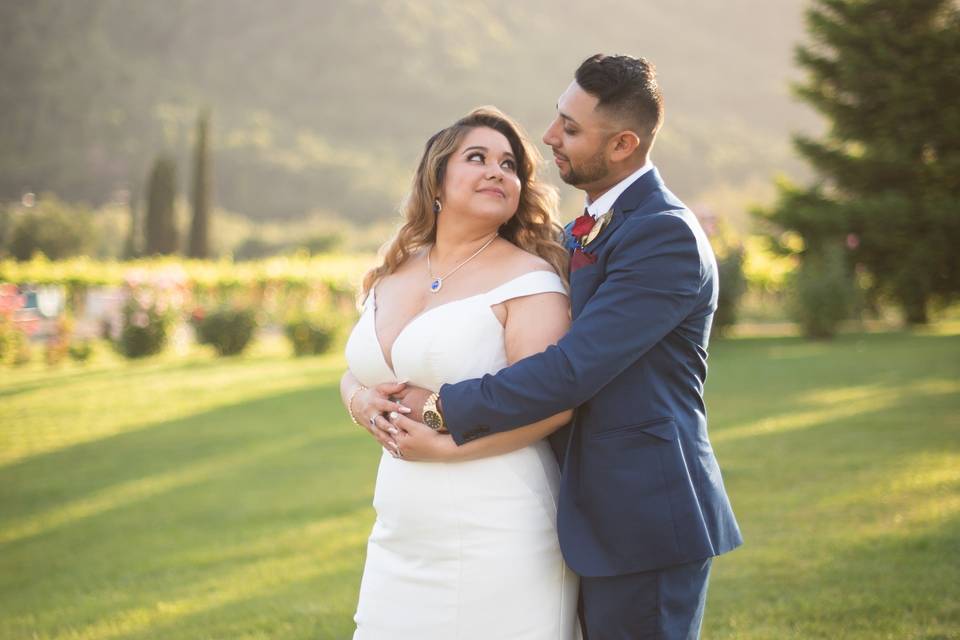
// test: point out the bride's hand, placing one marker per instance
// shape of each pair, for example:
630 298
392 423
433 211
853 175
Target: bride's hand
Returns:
417 442
413 397
369 406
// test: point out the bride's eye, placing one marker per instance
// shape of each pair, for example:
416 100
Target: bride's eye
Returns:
476 154
509 165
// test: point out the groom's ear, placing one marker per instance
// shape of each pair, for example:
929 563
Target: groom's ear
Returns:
624 144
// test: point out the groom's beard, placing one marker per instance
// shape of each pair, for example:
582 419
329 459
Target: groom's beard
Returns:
592 170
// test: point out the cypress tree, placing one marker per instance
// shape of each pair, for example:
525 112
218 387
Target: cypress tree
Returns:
131 247
886 75
160 228
199 246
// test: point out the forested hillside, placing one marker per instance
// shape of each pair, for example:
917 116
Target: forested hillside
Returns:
325 105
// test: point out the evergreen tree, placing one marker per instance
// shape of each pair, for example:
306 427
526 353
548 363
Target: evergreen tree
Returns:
160 228
886 74
131 248
199 246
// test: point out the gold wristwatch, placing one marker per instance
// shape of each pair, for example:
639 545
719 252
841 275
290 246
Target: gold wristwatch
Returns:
431 414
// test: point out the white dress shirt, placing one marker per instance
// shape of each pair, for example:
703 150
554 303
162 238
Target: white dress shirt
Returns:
605 202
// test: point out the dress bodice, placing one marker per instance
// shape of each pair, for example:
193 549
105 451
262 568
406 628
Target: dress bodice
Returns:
453 341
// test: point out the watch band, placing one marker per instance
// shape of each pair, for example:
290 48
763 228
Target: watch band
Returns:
431 414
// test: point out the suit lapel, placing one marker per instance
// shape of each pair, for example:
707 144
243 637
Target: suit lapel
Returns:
582 288
626 204
615 221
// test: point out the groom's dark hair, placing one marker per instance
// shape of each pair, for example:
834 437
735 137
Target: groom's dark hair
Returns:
627 88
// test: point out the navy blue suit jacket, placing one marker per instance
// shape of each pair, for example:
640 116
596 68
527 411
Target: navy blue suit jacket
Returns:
640 488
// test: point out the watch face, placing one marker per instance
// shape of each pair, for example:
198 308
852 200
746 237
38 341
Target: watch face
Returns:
432 419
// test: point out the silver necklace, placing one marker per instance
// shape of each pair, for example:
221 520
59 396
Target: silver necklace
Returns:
436 283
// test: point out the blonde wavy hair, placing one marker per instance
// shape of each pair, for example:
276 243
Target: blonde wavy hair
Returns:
533 227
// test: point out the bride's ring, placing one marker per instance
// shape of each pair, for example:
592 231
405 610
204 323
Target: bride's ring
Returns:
373 421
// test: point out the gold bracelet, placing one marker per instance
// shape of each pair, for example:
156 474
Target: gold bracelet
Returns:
350 403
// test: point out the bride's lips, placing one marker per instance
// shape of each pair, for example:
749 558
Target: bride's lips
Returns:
494 192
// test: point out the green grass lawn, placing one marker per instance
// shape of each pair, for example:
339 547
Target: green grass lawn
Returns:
199 498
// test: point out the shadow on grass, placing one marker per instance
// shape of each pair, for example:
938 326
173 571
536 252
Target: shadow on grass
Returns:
138 519
143 369
755 379
291 578
899 584
304 428
909 577
304 608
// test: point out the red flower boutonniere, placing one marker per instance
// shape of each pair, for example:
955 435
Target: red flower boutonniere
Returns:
582 226
586 228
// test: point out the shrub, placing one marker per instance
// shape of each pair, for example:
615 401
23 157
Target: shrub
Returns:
310 336
822 293
52 227
14 345
729 251
81 350
323 243
153 303
7 339
733 284
55 352
58 343
143 329
255 248
21 353
228 331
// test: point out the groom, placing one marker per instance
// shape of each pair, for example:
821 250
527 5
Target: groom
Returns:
642 507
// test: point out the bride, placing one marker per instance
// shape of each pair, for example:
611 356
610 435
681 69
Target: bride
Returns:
465 543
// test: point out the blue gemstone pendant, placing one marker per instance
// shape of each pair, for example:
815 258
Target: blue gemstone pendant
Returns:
435 285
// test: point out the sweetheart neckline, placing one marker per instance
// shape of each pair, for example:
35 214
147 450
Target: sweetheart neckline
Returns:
376 336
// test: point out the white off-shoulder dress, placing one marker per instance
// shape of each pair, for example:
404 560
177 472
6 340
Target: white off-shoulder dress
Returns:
465 550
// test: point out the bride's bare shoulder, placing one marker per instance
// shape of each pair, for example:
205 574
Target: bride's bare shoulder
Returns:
517 261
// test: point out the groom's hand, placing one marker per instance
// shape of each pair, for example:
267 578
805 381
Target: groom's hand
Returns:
413 398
